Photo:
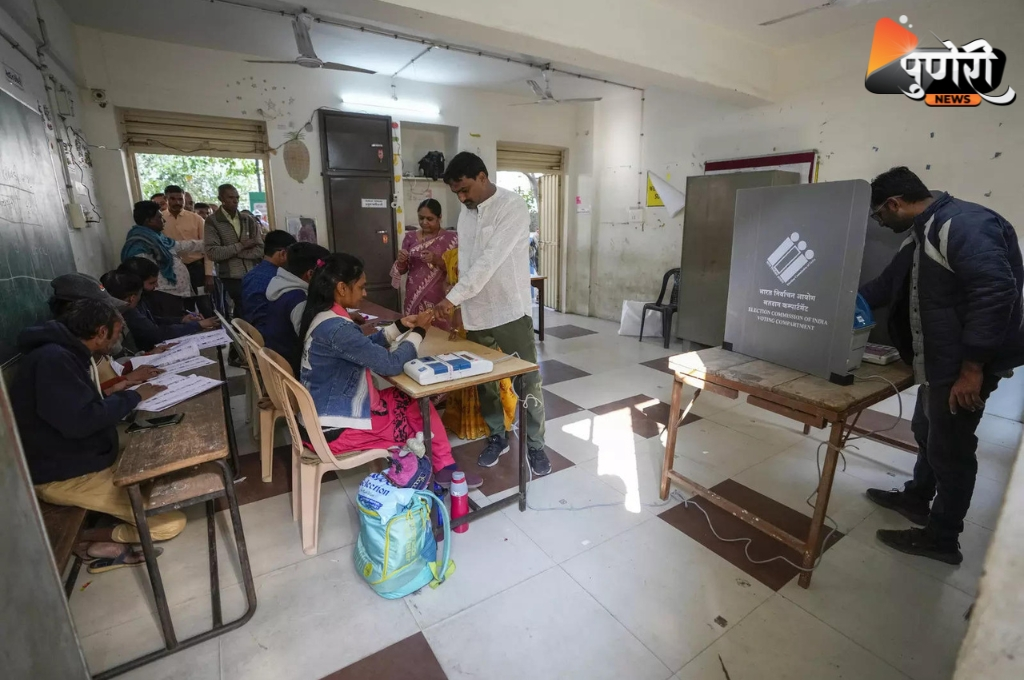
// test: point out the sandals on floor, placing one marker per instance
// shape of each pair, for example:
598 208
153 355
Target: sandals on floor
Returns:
129 557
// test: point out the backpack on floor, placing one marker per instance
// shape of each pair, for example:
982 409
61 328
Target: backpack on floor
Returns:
396 552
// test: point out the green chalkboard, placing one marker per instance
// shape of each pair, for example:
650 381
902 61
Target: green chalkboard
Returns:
34 242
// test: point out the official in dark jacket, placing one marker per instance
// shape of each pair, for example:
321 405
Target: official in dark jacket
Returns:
954 293
69 428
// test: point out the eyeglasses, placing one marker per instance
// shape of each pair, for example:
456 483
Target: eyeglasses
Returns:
874 213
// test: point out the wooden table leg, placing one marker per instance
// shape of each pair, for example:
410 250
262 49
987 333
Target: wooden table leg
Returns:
828 472
155 580
673 429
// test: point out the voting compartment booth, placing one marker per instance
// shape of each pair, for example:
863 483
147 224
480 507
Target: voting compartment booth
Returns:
796 259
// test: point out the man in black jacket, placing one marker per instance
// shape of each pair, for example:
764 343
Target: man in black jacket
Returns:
69 428
954 293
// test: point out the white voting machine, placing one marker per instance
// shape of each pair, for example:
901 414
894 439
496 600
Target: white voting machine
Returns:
445 367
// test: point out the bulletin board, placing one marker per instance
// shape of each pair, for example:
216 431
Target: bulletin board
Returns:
805 163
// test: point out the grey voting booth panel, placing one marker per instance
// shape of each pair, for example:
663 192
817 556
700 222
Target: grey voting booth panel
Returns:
707 249
796 258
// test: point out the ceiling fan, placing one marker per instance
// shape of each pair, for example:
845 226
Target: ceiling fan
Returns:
307 56
546 98
830 3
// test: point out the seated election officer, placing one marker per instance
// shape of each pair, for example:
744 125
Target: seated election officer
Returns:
286 300
143 328
256 280
336 362
68 427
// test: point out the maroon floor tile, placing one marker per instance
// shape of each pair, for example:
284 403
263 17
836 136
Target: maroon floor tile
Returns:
404 660
775 574
504 475
556 407
236 384
568 332
887 429
553 371
649 415
659 365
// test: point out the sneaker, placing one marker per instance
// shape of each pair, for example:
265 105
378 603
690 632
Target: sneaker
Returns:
539 462
444 478
920 542
914 509
496 447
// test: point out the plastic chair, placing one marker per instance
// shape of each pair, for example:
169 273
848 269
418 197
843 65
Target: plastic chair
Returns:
264 405
668 310
308 467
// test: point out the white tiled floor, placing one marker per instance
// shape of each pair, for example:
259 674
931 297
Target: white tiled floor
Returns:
588 583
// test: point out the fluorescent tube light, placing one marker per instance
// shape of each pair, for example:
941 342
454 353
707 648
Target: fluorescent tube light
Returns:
358 101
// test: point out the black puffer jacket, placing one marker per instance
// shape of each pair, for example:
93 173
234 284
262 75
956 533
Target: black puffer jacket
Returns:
970 284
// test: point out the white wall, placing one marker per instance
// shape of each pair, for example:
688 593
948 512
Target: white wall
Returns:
140 73
826 107
89 245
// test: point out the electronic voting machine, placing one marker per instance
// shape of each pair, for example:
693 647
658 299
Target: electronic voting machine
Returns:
445 367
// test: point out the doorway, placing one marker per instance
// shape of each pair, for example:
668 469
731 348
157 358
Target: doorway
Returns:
535 173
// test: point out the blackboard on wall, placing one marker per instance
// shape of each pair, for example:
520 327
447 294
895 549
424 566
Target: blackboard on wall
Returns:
34 242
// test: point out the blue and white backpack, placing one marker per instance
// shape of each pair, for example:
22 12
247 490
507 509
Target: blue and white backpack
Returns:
396 552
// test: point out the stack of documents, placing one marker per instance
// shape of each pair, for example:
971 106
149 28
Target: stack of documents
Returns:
179 388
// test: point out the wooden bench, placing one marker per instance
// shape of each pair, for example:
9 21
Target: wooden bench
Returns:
64 524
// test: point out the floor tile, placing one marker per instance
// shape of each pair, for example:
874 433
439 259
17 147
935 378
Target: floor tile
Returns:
636 473
583 436
619 383
669 591
553 371
314 617
253 488
987 501
603 354
720 447
649 416
274 541
557 407
995 462
505 474
237 383
689 519
974 543
780 640
1000 431
573 511
129 641
408 658
568 331
790 478
910 620
491 556
660 364
763 425
545 628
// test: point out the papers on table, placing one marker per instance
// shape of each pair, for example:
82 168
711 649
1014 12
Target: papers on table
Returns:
179 388
189 364
216 338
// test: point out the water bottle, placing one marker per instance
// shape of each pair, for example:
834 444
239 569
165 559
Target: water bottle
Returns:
460 499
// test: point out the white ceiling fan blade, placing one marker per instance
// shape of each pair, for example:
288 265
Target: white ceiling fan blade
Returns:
539 101
575 100
334 66
537 90
796 14
270 61
300 25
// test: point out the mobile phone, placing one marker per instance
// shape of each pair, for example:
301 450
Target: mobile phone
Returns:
153 423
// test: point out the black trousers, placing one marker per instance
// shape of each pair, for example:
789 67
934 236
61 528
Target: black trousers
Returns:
197 274
947 464
233 287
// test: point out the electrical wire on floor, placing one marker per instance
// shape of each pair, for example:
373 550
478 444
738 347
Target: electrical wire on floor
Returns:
676 495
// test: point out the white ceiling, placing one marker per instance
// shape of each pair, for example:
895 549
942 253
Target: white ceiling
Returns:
269 36
744 16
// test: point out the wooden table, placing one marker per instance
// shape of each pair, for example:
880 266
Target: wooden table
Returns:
805 398
538 282
173 467
505 366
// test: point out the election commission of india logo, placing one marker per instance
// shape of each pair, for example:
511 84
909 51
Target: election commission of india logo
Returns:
941 76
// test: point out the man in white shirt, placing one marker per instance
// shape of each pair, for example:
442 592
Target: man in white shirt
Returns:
494 293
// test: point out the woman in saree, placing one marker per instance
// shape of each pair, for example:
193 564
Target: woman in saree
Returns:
421 259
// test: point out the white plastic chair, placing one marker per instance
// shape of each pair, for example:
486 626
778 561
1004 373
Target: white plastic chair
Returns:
267 408
308 467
